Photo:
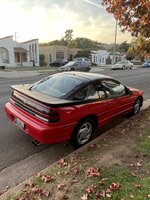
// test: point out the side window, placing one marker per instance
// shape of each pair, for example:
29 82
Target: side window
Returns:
113 88
88 93
92 93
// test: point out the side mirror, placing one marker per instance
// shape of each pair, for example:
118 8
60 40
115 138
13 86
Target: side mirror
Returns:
128 91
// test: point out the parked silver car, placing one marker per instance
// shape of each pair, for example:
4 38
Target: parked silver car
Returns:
75 66
123 65
87 60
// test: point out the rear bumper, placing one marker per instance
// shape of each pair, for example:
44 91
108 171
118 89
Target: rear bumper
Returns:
46 133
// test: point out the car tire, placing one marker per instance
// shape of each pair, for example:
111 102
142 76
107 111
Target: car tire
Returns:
131 67
72 69
137 106
87 69
123 67
83 132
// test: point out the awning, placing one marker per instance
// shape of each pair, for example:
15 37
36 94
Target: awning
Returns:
20 50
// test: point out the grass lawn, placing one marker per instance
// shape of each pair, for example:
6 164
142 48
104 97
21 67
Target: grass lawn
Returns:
116 168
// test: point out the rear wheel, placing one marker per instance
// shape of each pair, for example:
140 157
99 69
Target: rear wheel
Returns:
136 107
123 67
72 69
131 67
83 132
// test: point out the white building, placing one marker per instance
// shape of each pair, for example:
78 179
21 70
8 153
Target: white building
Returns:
19 54
103 57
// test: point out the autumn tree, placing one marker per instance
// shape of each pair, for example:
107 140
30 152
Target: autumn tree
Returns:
132 16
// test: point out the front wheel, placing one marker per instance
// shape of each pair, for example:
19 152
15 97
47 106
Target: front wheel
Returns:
87 69
136 107
123 67
83 132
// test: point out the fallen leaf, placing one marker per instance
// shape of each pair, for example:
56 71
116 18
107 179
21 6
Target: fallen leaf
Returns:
134 174
137 185
108 195
76 171
103 193
91 189
93 172
131 196
29 184
65 197
103 180
60 186
138 164
47 178
74 181
115 186
84 197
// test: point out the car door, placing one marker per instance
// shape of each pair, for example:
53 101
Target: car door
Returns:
119 98
94 102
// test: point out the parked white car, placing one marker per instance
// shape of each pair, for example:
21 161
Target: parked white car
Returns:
81 59
123 65
2 64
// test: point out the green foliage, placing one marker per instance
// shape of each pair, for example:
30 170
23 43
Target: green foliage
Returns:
83 53
123 47
87 44
130 54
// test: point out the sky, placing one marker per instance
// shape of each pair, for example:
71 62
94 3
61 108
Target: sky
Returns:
48 20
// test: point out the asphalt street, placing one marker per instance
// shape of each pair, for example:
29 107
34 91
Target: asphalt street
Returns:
19 158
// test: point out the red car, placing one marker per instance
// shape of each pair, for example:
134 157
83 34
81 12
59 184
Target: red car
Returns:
70 106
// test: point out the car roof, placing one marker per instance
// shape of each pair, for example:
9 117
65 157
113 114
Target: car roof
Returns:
86 75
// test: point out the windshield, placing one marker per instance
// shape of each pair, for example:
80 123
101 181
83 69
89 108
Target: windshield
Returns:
122 62
58 85
70 63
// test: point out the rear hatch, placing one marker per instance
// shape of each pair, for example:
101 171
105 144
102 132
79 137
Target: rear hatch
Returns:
42 106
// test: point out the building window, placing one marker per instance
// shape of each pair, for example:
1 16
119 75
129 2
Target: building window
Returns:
103 60
59 55
4 54
50 58
35 52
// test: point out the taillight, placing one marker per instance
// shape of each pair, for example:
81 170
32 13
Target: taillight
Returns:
46 114
41 111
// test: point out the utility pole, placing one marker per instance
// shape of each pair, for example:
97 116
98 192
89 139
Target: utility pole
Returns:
114 52
15 36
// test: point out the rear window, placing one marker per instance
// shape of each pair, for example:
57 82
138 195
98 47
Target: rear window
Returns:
58 85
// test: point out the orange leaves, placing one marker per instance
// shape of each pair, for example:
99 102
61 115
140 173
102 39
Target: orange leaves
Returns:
45 177
60 186
91 189
93 172
114 186
137 15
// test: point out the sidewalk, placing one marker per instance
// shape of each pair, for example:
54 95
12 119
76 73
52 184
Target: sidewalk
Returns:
7 73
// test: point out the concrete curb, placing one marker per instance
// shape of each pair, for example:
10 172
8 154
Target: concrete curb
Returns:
19 187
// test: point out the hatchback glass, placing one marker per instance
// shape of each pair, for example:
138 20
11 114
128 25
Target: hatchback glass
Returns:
58 85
